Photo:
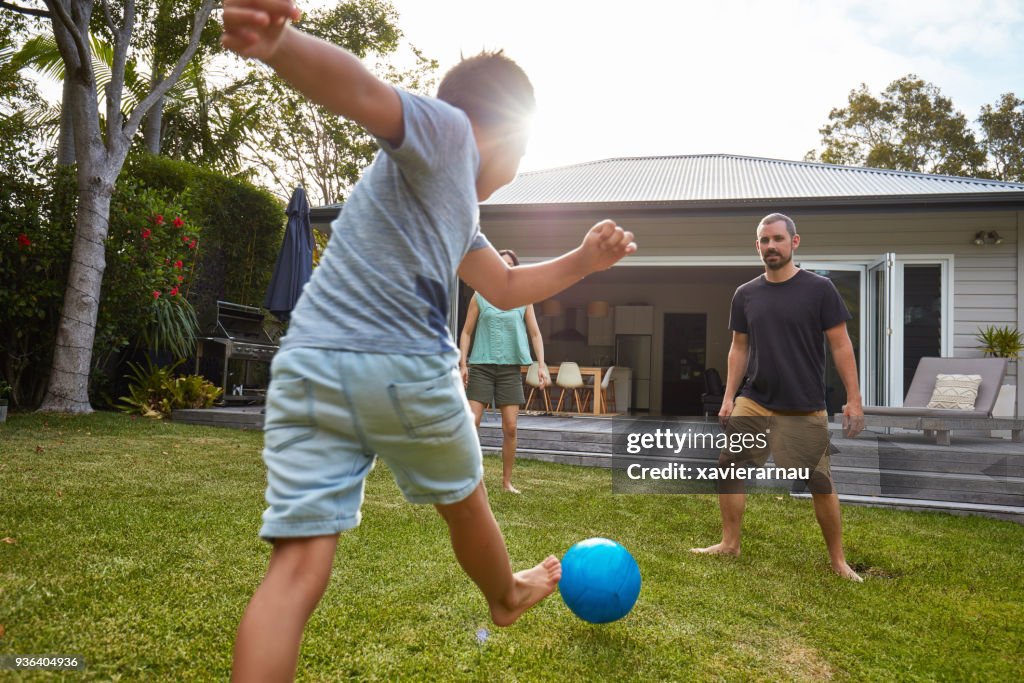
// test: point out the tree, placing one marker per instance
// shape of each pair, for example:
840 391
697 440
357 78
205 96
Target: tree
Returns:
910 127
1003 126
100 153
299 143
162 28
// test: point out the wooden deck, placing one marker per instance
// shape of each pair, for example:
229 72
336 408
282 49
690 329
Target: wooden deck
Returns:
977 474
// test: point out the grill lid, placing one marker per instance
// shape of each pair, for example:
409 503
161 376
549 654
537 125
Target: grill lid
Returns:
241 323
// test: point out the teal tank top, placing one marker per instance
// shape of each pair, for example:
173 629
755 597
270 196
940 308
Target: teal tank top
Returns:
500 337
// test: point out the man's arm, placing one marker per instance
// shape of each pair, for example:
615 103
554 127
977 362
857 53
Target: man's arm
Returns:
486 272
846 364
325 73
738 359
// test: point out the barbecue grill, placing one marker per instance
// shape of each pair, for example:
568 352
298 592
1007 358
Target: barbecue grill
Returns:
239 336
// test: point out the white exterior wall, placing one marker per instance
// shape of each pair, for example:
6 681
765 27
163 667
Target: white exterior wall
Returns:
987 280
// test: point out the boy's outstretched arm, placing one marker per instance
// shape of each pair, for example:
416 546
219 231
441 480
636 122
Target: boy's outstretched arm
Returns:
486 272
325 73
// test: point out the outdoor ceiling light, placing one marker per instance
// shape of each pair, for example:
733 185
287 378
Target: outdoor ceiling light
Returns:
994 238
979 237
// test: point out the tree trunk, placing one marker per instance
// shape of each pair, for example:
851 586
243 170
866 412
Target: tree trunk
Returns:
66 142
68 390
151 127
152 124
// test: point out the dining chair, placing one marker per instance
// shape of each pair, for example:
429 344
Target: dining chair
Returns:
569 377
607 389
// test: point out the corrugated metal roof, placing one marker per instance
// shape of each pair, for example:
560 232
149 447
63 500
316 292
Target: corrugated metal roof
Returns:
727 178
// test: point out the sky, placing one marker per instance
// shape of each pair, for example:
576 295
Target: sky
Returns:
667 77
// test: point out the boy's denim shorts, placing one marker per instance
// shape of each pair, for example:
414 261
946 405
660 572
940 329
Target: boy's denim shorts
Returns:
330 413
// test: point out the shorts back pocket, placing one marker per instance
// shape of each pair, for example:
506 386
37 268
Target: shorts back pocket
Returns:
431 408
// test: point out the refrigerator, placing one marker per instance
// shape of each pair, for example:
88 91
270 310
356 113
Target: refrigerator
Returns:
634 351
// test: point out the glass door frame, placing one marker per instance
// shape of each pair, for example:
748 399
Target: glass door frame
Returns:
881 350
884 331
862 342
946 345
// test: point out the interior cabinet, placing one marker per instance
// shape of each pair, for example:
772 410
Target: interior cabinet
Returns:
600 331
634 320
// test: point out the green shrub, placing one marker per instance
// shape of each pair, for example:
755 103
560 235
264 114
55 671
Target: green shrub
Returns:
154 391
151 248
36 229
241 226
234 227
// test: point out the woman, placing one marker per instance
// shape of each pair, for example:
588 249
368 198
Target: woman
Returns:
492 371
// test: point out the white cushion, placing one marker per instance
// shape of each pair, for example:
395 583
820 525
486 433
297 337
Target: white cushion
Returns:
955 392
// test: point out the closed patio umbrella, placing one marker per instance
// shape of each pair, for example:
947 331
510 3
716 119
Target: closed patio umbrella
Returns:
295 260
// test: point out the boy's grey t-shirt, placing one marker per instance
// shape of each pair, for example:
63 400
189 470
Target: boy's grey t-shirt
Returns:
384 282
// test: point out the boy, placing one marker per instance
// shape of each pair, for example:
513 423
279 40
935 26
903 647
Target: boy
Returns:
368 367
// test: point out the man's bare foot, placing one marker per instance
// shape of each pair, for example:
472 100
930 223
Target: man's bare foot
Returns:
509 488
844 570
717 549
530 587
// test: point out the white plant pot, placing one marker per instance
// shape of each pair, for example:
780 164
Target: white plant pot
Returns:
1006 406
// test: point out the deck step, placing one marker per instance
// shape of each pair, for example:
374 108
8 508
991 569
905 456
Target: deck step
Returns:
1012 512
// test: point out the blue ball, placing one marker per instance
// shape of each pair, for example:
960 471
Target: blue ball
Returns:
600 580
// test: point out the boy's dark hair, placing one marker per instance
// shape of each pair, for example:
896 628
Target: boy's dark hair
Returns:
491 88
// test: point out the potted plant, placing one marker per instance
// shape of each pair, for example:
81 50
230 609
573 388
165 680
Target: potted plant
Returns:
5 391
1003 342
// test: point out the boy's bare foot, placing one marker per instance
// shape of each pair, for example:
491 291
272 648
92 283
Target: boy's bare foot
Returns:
717 549
844 570
530 587
509 488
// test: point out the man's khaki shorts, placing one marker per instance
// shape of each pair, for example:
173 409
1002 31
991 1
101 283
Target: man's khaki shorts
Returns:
794 439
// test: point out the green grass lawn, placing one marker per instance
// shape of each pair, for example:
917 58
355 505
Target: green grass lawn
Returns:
134 545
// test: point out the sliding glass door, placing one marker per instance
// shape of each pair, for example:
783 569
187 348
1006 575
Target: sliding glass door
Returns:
902 312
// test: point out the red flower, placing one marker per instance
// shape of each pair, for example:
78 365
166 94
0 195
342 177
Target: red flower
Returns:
146 232
23 240
156 293
178 264
174 291
178 222
181 278
158 219
184 238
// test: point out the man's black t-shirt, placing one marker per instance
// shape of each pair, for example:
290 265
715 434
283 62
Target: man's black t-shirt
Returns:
786 322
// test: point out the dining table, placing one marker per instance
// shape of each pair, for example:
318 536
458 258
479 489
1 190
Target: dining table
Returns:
586 371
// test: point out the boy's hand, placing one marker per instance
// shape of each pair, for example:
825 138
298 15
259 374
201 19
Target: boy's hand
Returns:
253 28
605 244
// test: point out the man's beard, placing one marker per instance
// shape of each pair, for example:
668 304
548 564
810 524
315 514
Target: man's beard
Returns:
777 265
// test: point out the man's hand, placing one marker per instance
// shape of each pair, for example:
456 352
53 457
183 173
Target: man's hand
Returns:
725 412
853 419
604 245
254 28
543 378
465 375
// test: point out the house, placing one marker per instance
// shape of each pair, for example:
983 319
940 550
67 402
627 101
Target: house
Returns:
923 261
